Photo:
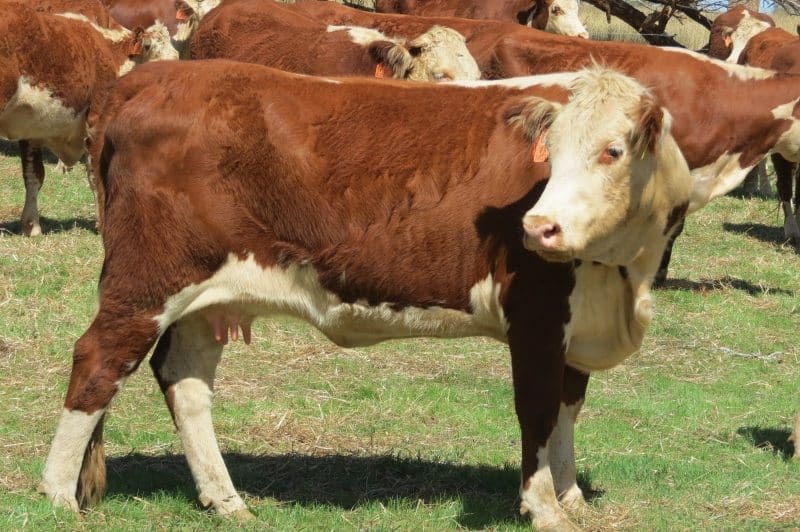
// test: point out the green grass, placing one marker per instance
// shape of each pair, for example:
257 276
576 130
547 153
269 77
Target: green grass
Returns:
690 433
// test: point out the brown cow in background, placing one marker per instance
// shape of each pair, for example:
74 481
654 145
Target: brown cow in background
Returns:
554 16
281 36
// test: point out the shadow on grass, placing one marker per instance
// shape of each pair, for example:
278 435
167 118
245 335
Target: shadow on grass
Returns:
774 439
50 225
489 495
771 234
723 283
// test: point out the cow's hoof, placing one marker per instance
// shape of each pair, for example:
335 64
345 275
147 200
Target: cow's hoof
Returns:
573 500
555 525
31 228
60 500
242 515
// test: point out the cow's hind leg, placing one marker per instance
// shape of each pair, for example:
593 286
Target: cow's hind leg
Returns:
110 350
184 363
33 175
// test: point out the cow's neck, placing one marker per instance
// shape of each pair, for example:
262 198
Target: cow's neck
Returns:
612 308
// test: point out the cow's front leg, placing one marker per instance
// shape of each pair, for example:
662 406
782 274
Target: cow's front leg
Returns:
185 362
33 175
562 442
538 375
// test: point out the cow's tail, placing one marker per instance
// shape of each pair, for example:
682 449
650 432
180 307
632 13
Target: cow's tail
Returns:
92 478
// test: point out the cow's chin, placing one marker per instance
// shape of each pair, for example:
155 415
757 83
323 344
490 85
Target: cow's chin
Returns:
555 256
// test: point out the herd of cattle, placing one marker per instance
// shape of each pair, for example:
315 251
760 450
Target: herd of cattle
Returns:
531 198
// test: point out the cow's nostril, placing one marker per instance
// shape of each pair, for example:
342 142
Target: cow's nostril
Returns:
551 231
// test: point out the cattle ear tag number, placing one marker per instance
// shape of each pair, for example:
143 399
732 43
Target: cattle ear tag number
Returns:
539 151
381 71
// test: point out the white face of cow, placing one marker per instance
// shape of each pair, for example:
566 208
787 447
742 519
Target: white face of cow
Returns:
747 28
156 45
617 176
563 19
441 54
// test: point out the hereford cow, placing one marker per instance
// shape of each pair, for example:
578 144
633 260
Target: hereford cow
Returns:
731 30
274 35
143 13
554 16
779 50
281 198
50 66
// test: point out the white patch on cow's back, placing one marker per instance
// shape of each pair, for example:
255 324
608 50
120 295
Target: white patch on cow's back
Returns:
741 72
558 79
35 113
362 36
115 36
296 291
606 323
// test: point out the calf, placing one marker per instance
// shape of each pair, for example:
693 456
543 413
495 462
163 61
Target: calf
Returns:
554 16
50 66
296 206
274 35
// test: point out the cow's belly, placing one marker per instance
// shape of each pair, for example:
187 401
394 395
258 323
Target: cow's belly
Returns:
33 113
607 324
244 288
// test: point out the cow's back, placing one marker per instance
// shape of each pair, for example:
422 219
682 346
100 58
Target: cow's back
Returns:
261 168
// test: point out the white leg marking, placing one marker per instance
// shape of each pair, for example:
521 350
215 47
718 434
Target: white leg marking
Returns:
562 457
539 499
60 478
791 227
191 365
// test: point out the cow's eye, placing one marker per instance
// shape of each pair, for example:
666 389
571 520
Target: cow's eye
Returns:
442 76
610 155
557 11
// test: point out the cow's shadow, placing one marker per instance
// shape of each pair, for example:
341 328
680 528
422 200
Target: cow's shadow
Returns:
771 234
723 283
775 439
51 226
488 494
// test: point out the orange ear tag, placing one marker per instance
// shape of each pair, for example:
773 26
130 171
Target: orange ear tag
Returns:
137 48
180 15
728 41
539 151
381 71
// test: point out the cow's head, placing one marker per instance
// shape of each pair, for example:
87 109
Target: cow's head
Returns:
738 36
152 44
618 181
439 54
557 16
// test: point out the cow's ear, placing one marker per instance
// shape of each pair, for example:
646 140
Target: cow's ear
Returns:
136 43
183 11
393 57
534 116
652 125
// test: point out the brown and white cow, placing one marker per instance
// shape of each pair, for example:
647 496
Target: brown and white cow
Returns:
50 67
554 16
731 30
325 199
275 35
779 50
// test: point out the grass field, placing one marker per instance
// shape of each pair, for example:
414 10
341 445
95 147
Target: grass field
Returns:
688 434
